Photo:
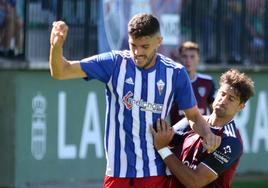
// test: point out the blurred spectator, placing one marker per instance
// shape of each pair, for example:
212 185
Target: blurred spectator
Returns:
11 31
255 30
206 21
2 12
233 21
203 85
3 20
9 27
19 25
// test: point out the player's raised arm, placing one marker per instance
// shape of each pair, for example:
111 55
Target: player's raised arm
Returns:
200 126
61 68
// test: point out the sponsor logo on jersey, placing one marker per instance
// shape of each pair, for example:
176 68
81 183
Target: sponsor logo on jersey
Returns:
192 166
221 156
129 101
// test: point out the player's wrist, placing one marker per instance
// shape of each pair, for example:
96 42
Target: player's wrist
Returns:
207 132
164 152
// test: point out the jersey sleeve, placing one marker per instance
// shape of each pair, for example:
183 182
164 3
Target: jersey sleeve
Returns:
224 156
211 95
99 67
181 126
184 95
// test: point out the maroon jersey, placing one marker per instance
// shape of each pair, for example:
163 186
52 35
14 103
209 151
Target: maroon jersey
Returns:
204 90
223 161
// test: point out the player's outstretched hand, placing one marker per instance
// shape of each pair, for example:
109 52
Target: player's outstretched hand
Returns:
58 33
162 135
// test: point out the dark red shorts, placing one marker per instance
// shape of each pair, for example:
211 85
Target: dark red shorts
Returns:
146 182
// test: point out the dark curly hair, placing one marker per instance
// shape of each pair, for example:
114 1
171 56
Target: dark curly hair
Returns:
243 85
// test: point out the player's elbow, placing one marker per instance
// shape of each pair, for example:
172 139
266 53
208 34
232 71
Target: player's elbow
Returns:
196 182
56 75
193 183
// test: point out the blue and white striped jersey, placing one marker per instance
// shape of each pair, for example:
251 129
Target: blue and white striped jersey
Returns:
135 99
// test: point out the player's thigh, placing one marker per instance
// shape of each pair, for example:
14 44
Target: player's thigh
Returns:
146 182
113 182
153 181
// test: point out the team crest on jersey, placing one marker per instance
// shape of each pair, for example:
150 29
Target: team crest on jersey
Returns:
202 91
160 86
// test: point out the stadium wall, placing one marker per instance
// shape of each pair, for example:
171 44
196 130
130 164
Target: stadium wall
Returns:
52 131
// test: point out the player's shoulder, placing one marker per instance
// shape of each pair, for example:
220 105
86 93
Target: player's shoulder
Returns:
231 143
121 53
168 62
204 76
230 131
231 139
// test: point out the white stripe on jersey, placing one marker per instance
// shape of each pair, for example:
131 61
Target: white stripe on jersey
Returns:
149 122
110 151
122 134
136 123
165 105
204 76
229 130
168 91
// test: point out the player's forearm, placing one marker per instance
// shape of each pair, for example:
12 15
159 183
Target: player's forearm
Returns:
210 140
56 62
199 125
188 177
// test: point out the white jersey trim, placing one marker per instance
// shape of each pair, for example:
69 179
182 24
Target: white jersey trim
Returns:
210 168
136 121
110 151
149 122
122 134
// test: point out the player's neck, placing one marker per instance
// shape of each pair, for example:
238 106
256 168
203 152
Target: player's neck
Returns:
215 121
192 75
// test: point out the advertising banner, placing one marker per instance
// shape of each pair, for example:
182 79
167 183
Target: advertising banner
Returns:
59 128
115 14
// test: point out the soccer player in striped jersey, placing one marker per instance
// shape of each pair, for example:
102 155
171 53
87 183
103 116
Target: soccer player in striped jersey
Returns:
141 85
203 84
194 166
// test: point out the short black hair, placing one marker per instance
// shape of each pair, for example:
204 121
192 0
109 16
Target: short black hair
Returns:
143 24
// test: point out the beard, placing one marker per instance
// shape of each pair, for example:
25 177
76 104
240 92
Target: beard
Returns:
220 111
147 59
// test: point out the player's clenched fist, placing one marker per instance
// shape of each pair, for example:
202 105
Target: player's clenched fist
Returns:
211 142
58 33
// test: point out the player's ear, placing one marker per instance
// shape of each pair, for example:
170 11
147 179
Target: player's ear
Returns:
242 106
160 39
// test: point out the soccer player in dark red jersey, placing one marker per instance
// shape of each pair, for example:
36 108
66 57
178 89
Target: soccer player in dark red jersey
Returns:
203 84
194 166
